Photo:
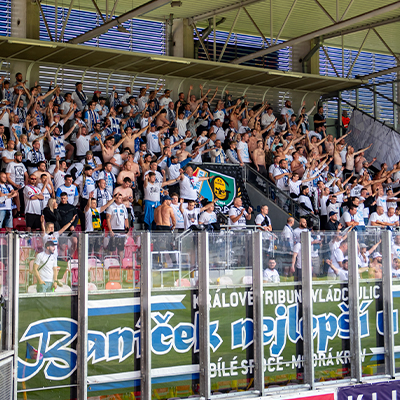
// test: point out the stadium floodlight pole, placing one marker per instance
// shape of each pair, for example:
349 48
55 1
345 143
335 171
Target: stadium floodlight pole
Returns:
354 309
258 313
204 315
145 316
320 32
82 344
387 294
306 290
136 12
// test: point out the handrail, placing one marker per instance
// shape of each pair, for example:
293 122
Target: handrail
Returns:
273 193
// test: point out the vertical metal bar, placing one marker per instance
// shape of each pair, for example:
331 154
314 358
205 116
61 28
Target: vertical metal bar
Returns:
55 20
204 315
375 102
271 26
357 99
388 302
342 56
12 270
145 317
394 96
230 33
339 113
215 37
337 10
66 20
82 349
15 291
258 313
354 309
308 345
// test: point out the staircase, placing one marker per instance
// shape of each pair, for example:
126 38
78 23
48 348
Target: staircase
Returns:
281 206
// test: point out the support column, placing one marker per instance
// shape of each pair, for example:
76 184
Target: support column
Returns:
25 23
183 44
301 57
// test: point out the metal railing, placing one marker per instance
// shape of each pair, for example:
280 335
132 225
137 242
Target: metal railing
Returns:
279 197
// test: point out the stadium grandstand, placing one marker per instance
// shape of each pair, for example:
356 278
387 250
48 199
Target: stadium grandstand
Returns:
199 200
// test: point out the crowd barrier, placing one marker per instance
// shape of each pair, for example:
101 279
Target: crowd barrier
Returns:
163 316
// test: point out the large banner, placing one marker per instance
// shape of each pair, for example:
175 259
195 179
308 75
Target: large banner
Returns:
374 391
48 332
227 184
385 141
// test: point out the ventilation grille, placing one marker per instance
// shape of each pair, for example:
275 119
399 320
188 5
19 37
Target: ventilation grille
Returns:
6 373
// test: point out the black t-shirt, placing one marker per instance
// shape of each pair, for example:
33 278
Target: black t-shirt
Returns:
332 226
318 117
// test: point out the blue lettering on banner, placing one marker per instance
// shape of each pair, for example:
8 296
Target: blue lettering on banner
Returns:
56 335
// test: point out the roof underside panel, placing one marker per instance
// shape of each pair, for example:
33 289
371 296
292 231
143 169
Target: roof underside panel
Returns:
70 56
306 16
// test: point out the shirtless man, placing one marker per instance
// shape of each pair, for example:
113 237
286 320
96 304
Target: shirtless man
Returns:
350 158
191 99
130 170
107 149
359 162
145 163
182 154
375 267
296 166
259 159
131 137
164 216
127 193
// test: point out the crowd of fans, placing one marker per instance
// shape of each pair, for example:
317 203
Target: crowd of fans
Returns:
68 159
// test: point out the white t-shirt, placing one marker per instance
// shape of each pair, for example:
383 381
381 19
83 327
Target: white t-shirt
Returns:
152 192
297 249
59 179
396 251
17 173
46 263
7 204
9 155
118 215
32 206
152 142
178 216
376 217
71 191
46 195
190 217
243 150
381 201
282 183
181 125
235 212
86 189
287 234
82 145
188 187
271 275
208 218
297 234
337 257
57 147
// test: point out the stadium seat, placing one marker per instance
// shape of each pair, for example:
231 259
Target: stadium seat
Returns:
19 224
113 286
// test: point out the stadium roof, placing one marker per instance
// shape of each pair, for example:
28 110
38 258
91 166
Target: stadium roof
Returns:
285 19
93 58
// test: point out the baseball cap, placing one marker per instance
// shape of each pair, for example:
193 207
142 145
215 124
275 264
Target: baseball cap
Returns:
18 153
36 127
167 198
376 255
363 246
332 213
